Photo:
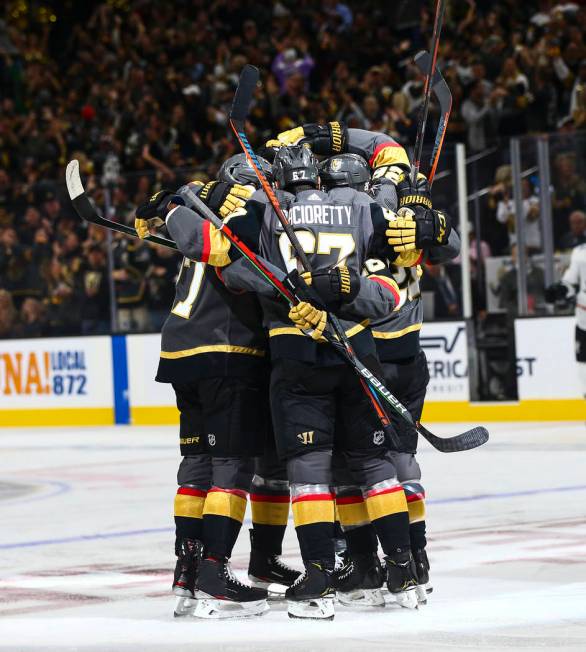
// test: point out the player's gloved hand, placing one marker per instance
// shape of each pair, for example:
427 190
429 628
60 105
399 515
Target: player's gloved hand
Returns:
402 231
432 228
408 194
334 286
556 292
309 319
224 198
323 139
151 214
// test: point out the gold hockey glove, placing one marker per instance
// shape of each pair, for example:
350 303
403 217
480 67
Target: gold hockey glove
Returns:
402 231
224 198
309 319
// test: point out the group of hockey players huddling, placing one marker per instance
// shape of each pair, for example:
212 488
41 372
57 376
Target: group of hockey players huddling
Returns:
267 408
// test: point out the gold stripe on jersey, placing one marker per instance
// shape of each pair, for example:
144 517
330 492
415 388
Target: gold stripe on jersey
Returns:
214 348
390 156
358 328
381 335
288 330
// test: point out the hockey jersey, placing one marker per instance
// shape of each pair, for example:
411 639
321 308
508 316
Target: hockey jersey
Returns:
574 279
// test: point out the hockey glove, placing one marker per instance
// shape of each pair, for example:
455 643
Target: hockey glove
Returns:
399 176
556 292
334 286
152 213
309 319
402 232
432 228
323 139
224 198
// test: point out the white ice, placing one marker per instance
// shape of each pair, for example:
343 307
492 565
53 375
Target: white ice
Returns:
86 549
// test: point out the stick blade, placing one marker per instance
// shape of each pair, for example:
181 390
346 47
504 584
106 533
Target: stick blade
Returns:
244 93
73 180
466 441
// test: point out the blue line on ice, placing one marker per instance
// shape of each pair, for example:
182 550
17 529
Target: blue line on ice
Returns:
133 533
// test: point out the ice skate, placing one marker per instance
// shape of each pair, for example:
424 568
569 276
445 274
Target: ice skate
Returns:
220 595
312 595
402 579
270 572
358 581
422 568
188 553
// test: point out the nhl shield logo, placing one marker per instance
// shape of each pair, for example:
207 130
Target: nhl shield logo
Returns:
212 440
378 437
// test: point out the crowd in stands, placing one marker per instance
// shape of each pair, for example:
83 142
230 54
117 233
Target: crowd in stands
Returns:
139 92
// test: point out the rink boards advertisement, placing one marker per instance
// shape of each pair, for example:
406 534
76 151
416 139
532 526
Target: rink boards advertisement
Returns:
54 381
547 372
107 380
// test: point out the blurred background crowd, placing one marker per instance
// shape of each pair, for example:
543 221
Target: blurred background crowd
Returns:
139 90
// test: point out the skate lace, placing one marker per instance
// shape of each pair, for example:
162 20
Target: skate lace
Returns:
281 564
299 579
229 575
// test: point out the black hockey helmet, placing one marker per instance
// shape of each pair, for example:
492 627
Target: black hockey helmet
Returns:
237 169
295 165
345 170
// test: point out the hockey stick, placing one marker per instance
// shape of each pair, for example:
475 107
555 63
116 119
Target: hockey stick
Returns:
469 439
88 213
444 97
437 28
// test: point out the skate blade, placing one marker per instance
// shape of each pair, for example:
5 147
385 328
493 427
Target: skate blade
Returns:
362 598
184 606
212 608
318 609
406 599
421 594
275 591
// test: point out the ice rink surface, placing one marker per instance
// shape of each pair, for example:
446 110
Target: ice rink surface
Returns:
86 549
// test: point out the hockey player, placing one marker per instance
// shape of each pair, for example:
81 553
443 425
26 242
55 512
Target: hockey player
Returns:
406 375
572 287
213 352
310 389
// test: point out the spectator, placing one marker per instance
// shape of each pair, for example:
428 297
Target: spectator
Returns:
505 214
131 261
32 319
577 233
288 63
94 292
477 112
7 314
446 303
507 290
162 277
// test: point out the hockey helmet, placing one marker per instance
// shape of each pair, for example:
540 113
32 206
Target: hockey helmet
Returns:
295 165
345 170
237 169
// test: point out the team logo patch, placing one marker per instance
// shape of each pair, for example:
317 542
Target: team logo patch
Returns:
378 437
306 437
212 440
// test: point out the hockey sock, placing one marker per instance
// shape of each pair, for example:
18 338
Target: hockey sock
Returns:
355 521
415 495
188 510
223 514
313 514
269 502
387 509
